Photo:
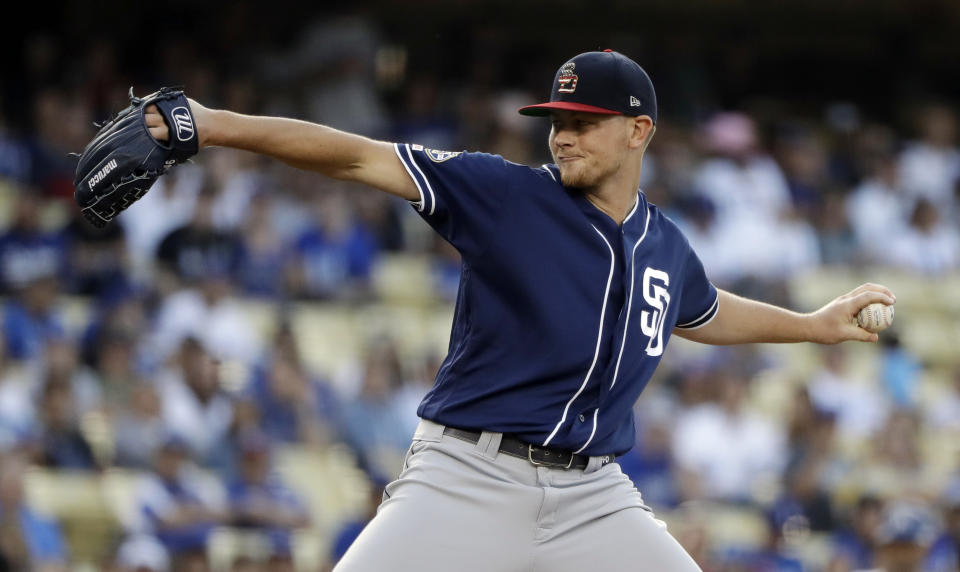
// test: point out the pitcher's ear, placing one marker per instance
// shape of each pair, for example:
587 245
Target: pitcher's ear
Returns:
643 129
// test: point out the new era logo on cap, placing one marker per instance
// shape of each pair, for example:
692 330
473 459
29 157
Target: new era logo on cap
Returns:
634 102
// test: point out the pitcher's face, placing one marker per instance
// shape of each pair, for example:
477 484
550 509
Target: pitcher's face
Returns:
588 147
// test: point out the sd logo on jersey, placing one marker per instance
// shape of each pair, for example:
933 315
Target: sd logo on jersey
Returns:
655 293
441 156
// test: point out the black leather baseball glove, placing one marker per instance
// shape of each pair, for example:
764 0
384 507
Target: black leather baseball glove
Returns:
123 161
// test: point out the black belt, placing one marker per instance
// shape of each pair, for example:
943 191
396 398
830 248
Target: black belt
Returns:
541 456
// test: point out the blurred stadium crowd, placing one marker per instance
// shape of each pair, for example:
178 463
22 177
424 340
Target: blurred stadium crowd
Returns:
185 370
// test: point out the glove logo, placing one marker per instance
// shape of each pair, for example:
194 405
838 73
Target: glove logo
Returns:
184 123
99 175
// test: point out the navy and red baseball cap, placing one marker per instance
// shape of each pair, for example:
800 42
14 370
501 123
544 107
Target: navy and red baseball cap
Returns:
605 82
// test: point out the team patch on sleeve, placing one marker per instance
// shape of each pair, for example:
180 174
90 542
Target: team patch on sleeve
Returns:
441 156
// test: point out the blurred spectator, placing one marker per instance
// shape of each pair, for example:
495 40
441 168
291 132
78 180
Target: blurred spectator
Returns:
740 178
17 398
291 192
334 62
900 371
44 402
930 165
61 364
723 450
67 393
777 553
877 208
845 123
264 252
383 215
180 505
15 158
236 177
115 369
104 85
168 205
855 546
838 243
139 427
929 245
210 314
860 410
351 529
62 442
425 119
803 156
753 202
512 133
895 467
445 269
650 463
28 540
944 412
674 166
944 554
198 250
97 256
704 233
193 404
690 526
814 465
27 251
142 553
415 388
259 499
334 257
31 319
294 406
373 424
118 312
904 537
62 124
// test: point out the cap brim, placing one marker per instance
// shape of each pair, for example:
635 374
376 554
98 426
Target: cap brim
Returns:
542 109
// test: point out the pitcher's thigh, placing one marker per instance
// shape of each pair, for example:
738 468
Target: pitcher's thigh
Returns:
426 528
627 540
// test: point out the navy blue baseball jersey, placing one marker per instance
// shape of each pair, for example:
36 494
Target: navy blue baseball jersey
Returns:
562 314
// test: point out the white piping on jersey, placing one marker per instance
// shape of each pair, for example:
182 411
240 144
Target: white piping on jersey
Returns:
633 210
422 205
715 304
549 172
596 412
593 431
596 352
433 198
626 325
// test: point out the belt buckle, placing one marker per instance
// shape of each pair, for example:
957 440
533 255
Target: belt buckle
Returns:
530 448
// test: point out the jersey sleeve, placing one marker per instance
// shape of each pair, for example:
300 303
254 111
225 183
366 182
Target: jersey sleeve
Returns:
461 194
699 299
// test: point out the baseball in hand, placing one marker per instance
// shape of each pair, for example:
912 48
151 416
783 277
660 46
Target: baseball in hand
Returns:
875 317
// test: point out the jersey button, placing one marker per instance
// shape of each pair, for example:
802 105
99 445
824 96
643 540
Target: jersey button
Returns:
582 418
